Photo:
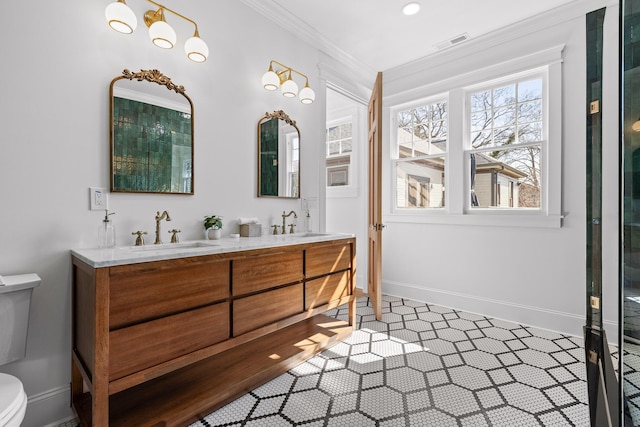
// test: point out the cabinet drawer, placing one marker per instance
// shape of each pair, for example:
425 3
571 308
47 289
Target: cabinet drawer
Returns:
325 289
258 310
256 273
147 344
324 259
145 292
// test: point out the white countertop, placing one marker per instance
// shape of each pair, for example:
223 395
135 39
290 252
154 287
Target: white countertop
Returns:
105 257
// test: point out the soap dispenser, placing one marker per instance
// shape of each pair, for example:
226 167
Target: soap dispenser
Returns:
308 224
107 232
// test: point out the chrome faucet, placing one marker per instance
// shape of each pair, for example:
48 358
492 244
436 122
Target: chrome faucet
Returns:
165 215
284 219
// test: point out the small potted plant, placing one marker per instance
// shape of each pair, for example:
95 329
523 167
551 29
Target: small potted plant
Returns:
212 227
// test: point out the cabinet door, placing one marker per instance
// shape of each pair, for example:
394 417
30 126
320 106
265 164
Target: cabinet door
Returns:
252 312
147 344
325 289
256 273
141 292
324 259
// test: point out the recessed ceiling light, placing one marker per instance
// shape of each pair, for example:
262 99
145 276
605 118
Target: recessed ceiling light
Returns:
411 8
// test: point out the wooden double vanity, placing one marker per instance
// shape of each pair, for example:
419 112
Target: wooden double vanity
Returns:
163 336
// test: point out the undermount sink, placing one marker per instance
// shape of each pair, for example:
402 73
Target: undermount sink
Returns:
172 246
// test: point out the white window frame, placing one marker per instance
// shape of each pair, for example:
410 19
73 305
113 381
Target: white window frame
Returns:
395 158
350 190
457 179
544 144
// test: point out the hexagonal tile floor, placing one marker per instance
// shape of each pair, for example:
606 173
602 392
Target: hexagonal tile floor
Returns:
425 365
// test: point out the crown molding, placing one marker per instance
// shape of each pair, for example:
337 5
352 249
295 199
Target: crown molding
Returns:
537 23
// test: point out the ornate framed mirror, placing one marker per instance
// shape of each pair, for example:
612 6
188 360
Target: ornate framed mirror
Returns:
278 156
151 122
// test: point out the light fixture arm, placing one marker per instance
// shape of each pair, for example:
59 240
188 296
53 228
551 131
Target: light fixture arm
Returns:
286 69
148 21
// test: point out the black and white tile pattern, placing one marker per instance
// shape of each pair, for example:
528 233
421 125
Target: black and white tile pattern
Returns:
425 365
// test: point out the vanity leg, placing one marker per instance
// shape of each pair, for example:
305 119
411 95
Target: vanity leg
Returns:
352 291
100 388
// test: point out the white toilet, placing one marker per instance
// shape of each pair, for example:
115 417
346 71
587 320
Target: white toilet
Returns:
15 299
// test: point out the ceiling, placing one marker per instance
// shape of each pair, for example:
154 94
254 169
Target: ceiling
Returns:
376 36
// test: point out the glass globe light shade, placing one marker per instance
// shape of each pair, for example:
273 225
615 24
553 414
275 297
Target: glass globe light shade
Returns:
197 50
270 80
289 88
121 18
162 35
307 95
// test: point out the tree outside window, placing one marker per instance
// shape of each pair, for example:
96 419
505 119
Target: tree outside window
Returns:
506 135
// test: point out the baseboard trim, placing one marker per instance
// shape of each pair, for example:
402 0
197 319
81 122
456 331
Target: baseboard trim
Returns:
553 320
49 408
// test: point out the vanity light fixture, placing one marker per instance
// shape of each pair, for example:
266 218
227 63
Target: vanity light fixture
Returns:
121 18
636 126
282 78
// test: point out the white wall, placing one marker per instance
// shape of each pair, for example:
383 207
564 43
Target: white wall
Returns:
541 278
54 110
346 208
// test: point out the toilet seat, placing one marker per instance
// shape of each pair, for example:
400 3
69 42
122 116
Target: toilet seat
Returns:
13 401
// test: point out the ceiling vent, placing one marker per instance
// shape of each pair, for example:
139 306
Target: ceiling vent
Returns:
452 41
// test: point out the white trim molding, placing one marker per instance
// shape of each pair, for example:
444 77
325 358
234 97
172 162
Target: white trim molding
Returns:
539 317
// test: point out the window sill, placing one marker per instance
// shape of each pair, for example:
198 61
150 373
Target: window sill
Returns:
507 219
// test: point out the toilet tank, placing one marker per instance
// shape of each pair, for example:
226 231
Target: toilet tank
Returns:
15 299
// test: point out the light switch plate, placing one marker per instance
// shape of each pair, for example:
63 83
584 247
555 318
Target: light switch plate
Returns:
98 199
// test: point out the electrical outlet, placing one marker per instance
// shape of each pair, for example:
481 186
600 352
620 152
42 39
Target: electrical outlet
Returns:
98 199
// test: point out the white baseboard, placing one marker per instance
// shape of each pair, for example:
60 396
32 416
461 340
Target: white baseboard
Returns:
49 408
539 317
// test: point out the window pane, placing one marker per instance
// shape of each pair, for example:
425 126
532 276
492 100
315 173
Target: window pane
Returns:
530 112
529 90
439 131
334 148
481 139
347 145
481 101
345 131
505 116
420 183
506 178
505 95
338 176
404 118
480 120
333 133
497 119
531 132
422 131
439 111
504 136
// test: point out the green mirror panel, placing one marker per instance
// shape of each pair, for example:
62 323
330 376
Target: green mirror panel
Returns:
151 122
278 156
